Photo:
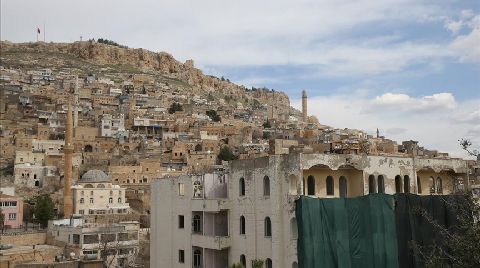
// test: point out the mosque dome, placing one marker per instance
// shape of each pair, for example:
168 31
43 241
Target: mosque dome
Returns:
95 176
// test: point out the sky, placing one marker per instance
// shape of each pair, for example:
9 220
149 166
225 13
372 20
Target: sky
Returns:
410 68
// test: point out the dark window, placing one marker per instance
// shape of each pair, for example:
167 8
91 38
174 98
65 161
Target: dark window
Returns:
381 184
243 260
342 184
266 186
311 185
241 185
242 225
330 186
268 263
181 221
181 256
197 258
439 186
406 184
432 185
197 224
398 184
371 184
268 227
419 185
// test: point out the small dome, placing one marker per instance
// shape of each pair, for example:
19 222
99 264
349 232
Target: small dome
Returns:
95 175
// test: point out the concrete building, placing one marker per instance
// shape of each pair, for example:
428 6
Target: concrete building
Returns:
117 244
113 126
12 209
247 212
94 194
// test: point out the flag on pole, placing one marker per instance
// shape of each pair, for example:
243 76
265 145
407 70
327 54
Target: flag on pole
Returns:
38 30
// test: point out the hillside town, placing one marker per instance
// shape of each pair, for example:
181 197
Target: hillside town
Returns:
148 162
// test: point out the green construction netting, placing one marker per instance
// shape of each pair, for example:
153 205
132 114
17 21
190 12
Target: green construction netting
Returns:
341 232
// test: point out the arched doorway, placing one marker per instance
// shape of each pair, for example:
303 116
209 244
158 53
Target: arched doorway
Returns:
342 185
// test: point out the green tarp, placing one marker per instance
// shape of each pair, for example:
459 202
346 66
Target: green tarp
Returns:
412 226
343 233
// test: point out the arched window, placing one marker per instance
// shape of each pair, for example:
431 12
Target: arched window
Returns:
406 184
419 185
88 186
439 186
268 263
311 185
432 185
100 186
198 148
293 185
242 225
398 184
371 184
119 200
294 264
197 224
381 184
91 200
330 186
294 228
37 183
110 200
266 186
197 258
241 185
268 227
82 200
342 184
243 260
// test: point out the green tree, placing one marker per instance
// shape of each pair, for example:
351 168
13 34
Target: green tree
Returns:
267 124
175 107
257 263
213 115
43 209
237 265
226 154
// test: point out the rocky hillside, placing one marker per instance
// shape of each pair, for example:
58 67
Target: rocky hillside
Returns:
91 55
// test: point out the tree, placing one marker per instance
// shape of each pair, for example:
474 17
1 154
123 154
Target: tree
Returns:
2 219
43 209
257 263
466 145
237 265
267 124
175 107
461 245
213 115
226 154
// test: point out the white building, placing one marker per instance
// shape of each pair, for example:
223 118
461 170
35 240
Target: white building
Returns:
94 194
113 126
248 212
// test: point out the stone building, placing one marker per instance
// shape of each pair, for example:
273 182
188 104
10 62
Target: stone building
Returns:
248 212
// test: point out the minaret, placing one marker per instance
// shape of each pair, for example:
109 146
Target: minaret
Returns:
68 154
75 104
304 105
378 133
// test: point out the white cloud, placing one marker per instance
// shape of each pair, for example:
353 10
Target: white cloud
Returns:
403 102
454 26
432 130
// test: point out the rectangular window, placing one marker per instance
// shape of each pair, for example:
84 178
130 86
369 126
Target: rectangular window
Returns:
81 211
181 256
12 216
181 221
181 189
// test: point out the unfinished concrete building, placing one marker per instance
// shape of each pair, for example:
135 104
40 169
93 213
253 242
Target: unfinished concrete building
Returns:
247 211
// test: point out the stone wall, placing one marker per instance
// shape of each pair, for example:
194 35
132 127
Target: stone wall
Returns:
24 239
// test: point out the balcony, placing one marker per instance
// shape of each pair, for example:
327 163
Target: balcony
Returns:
210 205
211 242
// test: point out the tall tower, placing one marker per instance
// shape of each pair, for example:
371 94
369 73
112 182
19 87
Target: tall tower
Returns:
75 104
304 105
68 152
